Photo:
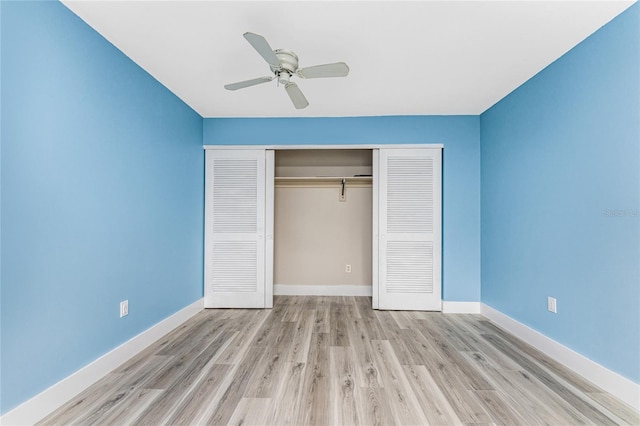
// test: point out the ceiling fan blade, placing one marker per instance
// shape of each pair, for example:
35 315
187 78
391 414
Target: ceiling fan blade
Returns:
298 99
262 47
247 83
338 69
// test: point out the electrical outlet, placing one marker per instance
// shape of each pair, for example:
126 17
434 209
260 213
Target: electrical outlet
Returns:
347 268
551 304
124 308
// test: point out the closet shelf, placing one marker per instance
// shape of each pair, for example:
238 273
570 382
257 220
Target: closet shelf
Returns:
323 181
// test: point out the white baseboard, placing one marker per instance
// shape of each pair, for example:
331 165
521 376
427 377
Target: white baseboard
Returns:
460 307
610 381
38 407
321 290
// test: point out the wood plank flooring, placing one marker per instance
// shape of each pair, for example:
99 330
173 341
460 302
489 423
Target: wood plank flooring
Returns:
335 361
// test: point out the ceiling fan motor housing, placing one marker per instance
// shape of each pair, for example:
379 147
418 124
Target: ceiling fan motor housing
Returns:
288 61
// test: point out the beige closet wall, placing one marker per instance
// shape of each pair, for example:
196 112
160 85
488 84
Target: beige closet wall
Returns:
316 235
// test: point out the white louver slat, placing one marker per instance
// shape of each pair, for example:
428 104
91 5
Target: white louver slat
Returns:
410 195
410 234
410 267
235 190
234 222
235 268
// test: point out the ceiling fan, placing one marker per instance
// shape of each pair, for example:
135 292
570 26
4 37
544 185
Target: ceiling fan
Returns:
284 65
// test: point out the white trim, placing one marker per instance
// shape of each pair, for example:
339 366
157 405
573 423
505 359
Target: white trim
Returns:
353 146
610 381
460 307
269 217
41 405
375 223
321 290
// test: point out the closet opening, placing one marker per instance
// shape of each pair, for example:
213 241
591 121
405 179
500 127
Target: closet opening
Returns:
323 214
313 221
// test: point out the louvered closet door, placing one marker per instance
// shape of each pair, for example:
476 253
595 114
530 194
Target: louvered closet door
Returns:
410 229
234 229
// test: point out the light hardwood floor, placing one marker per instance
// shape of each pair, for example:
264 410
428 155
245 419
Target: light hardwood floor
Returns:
334 360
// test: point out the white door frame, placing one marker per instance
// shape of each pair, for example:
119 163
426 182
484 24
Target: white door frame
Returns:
375 232
269 218
332 147
270 150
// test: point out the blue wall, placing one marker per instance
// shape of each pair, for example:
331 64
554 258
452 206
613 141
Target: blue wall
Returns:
561 199
461 170
102 183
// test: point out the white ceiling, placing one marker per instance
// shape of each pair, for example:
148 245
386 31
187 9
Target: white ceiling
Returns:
406 58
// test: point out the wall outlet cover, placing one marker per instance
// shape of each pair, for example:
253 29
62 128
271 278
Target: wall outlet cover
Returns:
124 308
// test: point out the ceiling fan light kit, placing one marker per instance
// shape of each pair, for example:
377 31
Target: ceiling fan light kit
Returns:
284 65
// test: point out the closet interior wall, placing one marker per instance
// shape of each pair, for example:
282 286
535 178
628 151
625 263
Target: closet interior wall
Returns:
317 233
